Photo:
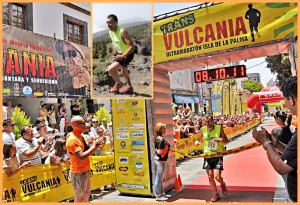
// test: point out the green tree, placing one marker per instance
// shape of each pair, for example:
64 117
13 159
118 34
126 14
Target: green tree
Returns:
102 113
20 119
280 65
252 86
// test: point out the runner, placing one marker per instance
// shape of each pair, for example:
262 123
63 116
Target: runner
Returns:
214 138
124 52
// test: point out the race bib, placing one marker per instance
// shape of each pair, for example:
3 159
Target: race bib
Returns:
211 145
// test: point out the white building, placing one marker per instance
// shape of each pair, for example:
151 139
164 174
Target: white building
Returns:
65 21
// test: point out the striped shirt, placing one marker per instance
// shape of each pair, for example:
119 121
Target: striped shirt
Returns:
22 146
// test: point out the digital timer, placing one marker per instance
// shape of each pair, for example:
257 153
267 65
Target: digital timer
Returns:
238 71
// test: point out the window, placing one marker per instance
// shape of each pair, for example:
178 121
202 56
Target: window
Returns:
75 30
74 33
18 15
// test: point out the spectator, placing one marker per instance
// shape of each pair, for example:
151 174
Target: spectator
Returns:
105 150
43 113
28 147
52 116
20 106
9 109
283 132
63 118
79 152
4 111
58 154
75 108
162 148
11 163
176 129
287 162
95 125
8 135
87 133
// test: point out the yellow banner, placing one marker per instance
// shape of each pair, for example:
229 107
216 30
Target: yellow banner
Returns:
47 183
131 146
220 27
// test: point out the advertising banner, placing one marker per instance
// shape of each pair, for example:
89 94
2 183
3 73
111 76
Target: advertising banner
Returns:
40 66
216 103
222 26
47 183
131 146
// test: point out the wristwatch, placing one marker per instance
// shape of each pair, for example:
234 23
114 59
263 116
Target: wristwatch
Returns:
265 145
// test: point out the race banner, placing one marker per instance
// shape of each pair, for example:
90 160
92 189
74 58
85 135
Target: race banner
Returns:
222 26
131 147
47 183
39 66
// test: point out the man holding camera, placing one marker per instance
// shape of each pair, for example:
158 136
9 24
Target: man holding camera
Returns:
79 152
124 52
287 162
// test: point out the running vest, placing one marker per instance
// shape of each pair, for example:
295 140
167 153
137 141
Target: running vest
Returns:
117 42
209 145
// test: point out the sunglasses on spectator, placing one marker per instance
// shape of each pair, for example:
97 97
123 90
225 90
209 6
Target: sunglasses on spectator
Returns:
69 53
95 121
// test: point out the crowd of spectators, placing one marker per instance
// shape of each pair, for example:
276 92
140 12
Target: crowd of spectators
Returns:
187 123
45 141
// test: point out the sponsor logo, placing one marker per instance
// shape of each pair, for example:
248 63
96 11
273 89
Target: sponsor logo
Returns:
120 109
124 160
51 94
27 91
139 174
138 157
120 100
134 103
122 135
139 165
132 186
137 143
120 129
6 90
123 144
38 94
137 133
138 151
122 123
132 126
46 93
135 116
123 169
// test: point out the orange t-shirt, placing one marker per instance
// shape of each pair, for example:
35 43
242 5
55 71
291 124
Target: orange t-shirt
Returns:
74 144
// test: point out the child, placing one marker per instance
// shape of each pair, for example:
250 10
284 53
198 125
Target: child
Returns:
11 163
57 155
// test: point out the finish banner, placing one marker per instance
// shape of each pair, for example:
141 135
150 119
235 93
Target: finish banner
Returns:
47 183
131 146
39 66
222 26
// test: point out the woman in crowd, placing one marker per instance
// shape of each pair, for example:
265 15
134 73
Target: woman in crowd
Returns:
162 148
106 150
43 113
283 132
52 116
11 163
63 118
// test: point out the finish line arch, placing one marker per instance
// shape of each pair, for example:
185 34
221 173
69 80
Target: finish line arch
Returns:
265 95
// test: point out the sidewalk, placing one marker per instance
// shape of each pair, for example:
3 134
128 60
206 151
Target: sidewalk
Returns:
191 170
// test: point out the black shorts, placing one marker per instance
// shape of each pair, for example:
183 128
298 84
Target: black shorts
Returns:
213 163
125 61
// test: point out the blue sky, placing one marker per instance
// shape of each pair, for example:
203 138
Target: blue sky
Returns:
265 73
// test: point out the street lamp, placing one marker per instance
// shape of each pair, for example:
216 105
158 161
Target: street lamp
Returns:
210 86
240 95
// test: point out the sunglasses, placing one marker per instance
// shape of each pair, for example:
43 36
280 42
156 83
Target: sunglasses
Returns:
69 53
80 123
94 121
